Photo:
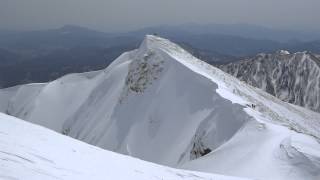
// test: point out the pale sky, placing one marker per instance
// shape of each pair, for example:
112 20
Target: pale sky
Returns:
112 15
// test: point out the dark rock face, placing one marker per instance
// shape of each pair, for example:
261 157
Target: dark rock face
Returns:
293 78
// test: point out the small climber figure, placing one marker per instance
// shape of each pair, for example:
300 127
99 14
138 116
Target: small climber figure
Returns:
253 106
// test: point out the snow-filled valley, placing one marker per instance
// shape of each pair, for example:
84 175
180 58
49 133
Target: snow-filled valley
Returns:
160 104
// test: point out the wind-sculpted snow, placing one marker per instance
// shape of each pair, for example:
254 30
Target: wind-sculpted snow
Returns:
161 104
264 151
30 152
293 78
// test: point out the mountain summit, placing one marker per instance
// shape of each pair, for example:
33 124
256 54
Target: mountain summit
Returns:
161 104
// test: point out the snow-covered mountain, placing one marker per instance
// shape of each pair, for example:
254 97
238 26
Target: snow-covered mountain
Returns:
161 104
31 152
294 78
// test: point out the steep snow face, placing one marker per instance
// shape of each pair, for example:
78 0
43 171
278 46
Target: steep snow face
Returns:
31 152
161 104
161 111
146 104
293 78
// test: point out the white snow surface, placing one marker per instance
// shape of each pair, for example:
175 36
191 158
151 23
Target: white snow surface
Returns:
161 104
31 152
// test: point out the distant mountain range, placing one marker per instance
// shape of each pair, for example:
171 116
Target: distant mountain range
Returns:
56 52
243 30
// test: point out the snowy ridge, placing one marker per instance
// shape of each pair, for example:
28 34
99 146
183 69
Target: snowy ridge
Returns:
238 92
293 78
161 104
30 152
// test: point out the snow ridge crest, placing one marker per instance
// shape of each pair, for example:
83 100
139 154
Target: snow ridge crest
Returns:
161 45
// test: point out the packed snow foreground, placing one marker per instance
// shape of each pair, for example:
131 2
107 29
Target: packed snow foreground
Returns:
30 152
160 104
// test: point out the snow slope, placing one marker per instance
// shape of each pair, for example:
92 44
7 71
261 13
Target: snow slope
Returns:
31 152
264 151
293 78
161 104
